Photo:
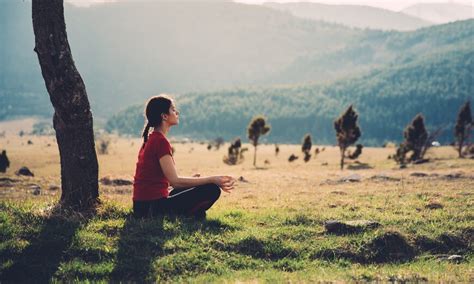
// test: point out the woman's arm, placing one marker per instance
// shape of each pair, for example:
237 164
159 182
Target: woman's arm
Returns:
226 183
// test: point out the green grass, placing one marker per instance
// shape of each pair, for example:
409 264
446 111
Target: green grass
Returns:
231 245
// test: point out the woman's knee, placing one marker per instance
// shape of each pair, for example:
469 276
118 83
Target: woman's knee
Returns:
214 191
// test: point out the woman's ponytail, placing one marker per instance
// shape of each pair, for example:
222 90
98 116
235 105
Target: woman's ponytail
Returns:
146 129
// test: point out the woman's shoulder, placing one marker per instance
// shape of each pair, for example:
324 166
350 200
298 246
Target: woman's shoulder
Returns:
157 137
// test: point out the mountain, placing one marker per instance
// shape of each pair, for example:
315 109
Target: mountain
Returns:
377 49
440 12
127 51
386 100
353 16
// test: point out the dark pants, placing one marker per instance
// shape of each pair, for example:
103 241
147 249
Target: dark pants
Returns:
192 201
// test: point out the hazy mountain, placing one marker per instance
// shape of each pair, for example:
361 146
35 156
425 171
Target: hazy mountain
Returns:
127 51
377 49
353 15
440 12
386 99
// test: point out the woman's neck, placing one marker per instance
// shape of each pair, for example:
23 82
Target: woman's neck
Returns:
163 129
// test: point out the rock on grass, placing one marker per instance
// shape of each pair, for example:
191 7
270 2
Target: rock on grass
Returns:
24 171
434 205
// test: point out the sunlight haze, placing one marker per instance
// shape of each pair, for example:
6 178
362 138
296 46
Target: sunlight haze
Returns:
388 4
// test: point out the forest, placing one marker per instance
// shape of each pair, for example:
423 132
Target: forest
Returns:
386 99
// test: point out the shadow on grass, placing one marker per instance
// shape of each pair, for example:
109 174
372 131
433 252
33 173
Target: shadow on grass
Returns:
260 168
142 242
40 260
359 166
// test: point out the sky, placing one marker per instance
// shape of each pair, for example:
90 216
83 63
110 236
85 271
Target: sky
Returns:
394 5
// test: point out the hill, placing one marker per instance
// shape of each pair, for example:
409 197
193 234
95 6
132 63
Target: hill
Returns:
353 15
126 51
440 12
386 99
377 50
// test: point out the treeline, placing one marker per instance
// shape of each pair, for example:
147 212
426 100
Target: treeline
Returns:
386 101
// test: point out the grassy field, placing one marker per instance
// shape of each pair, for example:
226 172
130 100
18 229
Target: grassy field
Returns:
270 228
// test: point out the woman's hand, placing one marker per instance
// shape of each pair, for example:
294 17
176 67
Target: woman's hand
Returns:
226 183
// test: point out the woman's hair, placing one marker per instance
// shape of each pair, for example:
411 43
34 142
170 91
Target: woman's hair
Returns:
155 107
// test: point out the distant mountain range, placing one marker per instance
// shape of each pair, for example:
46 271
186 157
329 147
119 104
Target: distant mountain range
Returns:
386 100
440 13
353 15
128 51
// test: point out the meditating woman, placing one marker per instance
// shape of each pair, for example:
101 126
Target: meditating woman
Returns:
156 171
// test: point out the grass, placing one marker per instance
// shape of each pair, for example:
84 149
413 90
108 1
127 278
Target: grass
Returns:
270 229
230 245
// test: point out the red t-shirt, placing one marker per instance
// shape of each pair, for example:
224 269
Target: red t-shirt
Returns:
150 183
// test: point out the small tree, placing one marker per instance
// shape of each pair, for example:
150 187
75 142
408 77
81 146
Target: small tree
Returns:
218 142
400 155
347 131
256 128
292 158
462 130
4 162
415 137
235 153
306 147
103 145
277 149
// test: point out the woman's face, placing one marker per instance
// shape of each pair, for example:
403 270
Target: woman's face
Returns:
173 116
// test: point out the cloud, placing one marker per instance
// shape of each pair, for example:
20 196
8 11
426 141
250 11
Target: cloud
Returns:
88 3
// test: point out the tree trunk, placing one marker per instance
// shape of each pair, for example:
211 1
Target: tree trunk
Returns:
343 150
255 156
461 142
72 116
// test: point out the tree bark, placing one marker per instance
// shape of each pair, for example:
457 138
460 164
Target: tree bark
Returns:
72 116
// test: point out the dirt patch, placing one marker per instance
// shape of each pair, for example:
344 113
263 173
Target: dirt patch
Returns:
446 243
417 174
339 192
264 249
434 205
339 253
383 177
349 227
8 182
389 247
115 182
347 179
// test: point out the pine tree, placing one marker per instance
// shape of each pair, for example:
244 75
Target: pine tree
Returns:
347 131
306 147
234 153
257 127
462 129
415 137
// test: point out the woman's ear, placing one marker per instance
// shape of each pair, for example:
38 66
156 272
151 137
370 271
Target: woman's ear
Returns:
164 117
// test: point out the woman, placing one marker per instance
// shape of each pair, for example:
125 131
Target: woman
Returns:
156 171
